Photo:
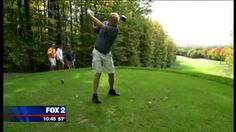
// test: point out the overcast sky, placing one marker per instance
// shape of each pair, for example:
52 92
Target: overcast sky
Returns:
196 22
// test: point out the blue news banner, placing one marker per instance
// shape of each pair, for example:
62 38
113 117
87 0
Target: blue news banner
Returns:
34 113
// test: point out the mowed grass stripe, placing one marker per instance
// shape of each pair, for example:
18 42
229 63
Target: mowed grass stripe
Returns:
205 66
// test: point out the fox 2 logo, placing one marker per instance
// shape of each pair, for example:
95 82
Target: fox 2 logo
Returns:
55 109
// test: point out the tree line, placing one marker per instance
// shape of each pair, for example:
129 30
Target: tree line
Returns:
220 53
31 26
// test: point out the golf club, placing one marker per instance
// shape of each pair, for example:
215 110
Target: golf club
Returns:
122 17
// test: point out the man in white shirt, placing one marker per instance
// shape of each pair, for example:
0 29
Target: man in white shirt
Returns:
59 53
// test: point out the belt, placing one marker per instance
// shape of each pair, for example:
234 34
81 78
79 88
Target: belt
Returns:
100 51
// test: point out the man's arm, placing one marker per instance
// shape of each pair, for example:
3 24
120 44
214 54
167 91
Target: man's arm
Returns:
91 26
95 21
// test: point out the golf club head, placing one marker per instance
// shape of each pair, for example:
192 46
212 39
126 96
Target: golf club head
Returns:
123 17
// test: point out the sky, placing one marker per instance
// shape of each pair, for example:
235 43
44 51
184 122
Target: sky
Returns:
196 23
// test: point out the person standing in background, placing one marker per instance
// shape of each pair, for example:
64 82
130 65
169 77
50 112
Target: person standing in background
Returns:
70 58
59 55
52 56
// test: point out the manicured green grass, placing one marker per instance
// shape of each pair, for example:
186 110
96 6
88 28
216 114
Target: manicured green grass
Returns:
179 102
203 66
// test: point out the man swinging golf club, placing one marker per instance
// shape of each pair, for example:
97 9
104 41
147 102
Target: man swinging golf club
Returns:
107 32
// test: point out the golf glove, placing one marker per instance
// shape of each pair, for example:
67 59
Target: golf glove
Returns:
90 12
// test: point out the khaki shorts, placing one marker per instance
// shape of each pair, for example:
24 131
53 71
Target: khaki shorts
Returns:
52 61
102 63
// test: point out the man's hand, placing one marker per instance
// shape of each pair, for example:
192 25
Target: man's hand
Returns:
94 20
90 12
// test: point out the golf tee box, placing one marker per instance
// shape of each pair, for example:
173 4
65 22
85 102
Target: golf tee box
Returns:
34 114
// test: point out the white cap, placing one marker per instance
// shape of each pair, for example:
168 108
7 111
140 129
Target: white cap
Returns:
114 14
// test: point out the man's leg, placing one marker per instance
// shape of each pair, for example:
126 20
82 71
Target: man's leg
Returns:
111 80
95 98
97 66
72 64
109 67
51 64
62 64
51 67
54 68
69 64
58 65
112 90
54 64
96 82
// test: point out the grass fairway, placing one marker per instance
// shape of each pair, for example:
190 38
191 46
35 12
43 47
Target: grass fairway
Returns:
206 66
179 102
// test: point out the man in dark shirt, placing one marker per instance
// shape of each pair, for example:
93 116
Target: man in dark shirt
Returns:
107 33
70 58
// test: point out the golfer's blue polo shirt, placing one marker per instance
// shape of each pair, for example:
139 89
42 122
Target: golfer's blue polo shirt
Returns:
106 38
